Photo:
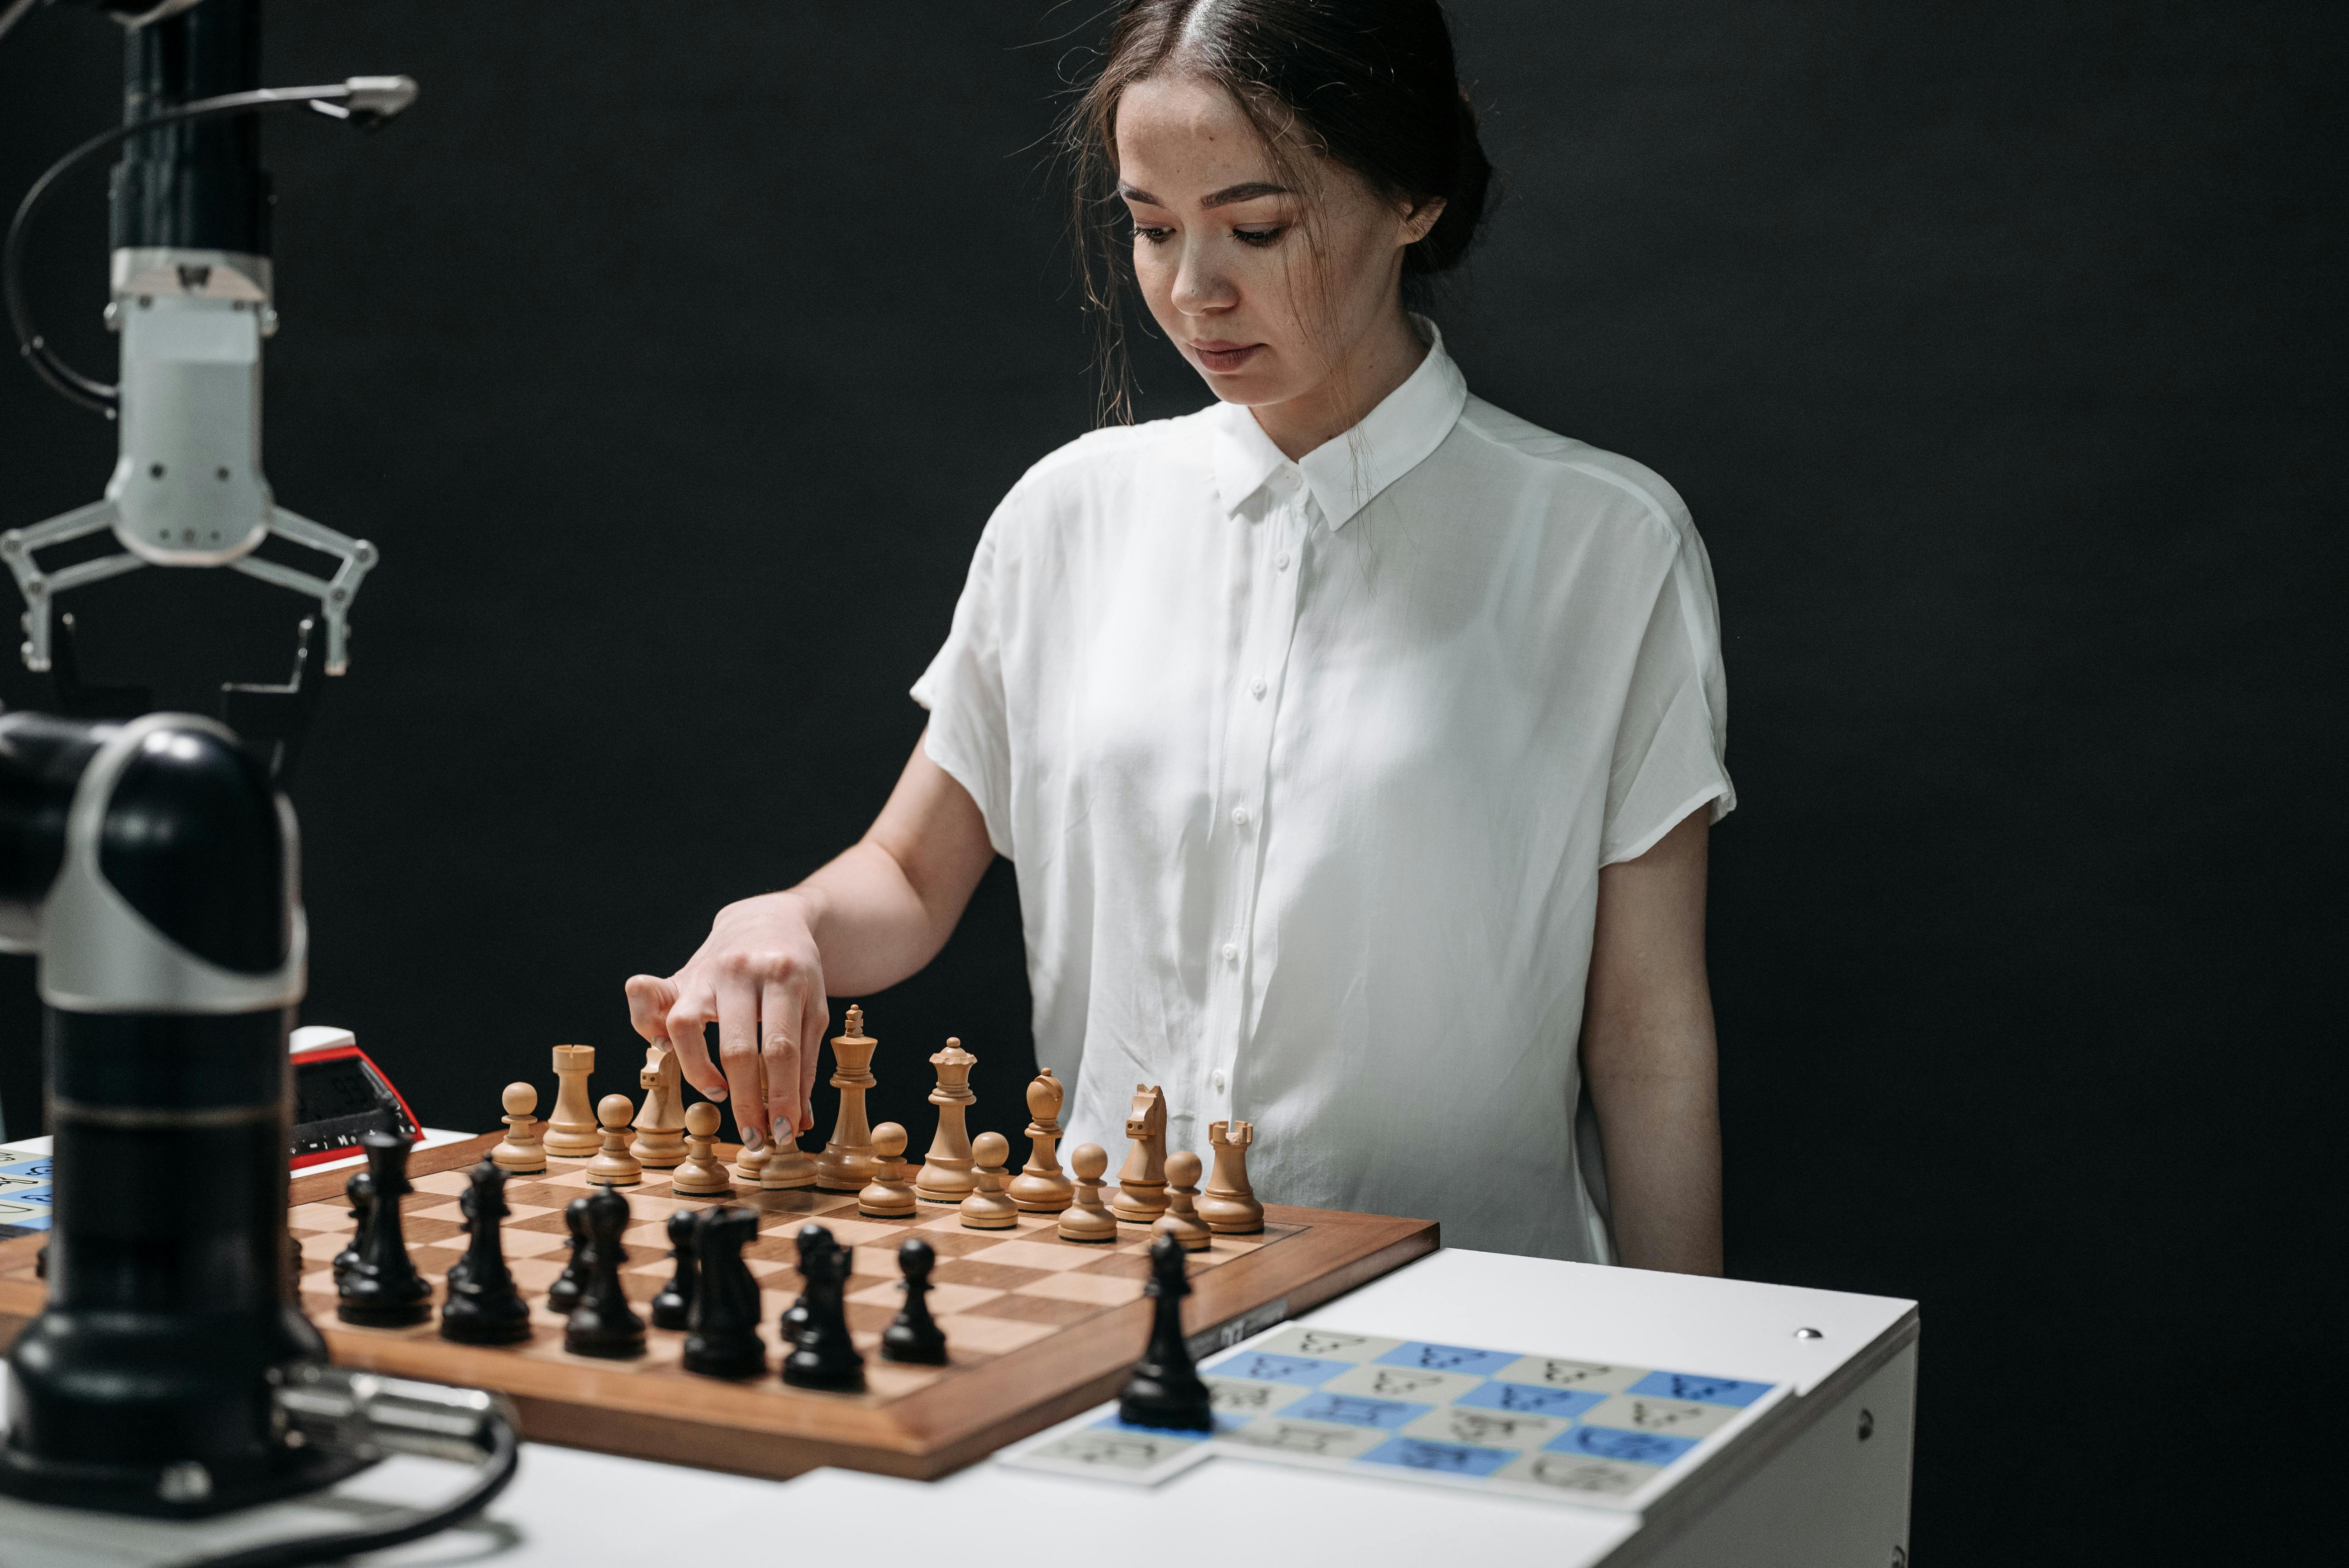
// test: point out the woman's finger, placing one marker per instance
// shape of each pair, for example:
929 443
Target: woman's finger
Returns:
781 1003
651 999
817 1019
738 1050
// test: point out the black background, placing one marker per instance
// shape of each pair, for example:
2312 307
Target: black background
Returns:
675 354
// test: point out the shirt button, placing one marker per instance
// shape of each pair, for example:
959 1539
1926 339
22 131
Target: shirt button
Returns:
1220 1080
1239 816
1231 953
1256 687
1281 561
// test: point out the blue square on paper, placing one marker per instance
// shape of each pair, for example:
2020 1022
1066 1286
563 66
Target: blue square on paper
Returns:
1631 1447
1445 1458
1731 1391
38 1170
1526 1399
1306 1371
1355 1410
1448 1358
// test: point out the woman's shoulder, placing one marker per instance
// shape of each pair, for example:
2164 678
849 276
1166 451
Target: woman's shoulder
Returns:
1112 457
1577 477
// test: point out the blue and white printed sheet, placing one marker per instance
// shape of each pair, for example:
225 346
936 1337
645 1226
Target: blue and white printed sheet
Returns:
1587 1432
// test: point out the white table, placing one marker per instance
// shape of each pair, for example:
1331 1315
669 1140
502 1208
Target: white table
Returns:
1825 1485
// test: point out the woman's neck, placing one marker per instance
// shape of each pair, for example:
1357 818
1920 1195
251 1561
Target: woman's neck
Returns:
1375 364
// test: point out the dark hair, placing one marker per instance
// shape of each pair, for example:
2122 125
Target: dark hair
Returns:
1369 84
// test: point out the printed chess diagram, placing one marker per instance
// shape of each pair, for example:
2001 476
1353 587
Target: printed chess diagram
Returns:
25 1196
1588 1433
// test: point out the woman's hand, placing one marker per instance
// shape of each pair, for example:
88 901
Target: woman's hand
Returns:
880 911
759 963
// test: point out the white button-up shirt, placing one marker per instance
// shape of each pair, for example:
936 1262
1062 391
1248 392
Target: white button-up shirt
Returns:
1308 769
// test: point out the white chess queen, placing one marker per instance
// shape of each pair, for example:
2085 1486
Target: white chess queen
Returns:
1356 742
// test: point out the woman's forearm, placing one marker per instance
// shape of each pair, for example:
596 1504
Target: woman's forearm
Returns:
1649 1059
1662 1131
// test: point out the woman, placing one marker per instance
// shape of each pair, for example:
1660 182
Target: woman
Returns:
1356 742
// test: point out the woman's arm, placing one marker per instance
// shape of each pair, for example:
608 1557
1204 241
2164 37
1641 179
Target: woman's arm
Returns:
1648 1055
876 913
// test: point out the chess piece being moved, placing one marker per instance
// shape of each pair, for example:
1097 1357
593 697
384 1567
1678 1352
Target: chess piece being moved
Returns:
846 1162
659 1142
990 1207
483 1306
721 1333
615 1167
570 1131
1087 1218
522 1150
1229 1203
359 1193
788 1165
381 1289
1164 1388
674 1302
1181 1220
823 1356
890 1194
604 1323
913 1335
1040 1188
1141 1184
945 1175
563 1294
750 1162
703 1175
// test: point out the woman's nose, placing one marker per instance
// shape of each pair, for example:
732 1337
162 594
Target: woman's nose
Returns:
1201 286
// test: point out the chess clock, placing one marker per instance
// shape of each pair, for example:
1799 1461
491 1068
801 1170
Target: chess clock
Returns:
339 1094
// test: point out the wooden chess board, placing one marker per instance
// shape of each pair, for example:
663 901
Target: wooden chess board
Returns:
1037 1328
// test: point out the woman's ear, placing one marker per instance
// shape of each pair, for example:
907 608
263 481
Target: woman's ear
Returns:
1419 221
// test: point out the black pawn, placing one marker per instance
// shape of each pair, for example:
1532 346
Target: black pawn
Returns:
811 1240
1164 1389
722 1329
674 1304
914 1335
563 1294
382 1289
823 1356
357 1192
483 1306
604 1323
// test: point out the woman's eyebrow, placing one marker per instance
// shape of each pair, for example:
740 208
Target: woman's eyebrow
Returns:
1229 195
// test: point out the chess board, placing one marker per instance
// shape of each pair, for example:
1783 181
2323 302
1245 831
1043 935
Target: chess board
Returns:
1593 1433
1037 1328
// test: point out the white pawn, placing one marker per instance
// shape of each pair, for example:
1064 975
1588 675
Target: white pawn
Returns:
990 1207
890 1194
1181 1220
702 1175
1087 1218
522 1149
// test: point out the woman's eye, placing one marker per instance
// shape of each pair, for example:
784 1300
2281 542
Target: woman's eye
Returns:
1155 236
1256 236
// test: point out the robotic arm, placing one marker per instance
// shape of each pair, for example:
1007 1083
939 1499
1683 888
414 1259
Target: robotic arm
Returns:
190 286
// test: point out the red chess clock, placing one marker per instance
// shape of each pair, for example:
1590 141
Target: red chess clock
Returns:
339 1094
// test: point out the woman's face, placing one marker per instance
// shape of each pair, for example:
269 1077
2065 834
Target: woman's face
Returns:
1265 303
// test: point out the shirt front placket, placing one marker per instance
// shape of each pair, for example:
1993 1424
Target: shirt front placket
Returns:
1276 566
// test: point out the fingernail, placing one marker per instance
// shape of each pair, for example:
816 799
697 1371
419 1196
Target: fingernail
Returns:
784 1132
753 1139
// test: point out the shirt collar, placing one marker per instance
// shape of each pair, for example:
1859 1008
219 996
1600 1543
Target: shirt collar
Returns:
1346 473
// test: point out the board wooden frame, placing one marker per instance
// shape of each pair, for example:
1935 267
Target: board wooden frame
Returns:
765 1429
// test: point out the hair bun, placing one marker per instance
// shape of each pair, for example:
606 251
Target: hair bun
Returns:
1464 211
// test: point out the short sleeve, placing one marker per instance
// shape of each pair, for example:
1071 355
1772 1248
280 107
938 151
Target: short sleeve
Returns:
1671 744
969 730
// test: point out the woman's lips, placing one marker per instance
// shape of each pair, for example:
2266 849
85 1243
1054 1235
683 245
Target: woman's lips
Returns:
1220 356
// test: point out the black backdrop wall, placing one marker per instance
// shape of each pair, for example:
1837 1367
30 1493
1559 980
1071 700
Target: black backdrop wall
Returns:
674 355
